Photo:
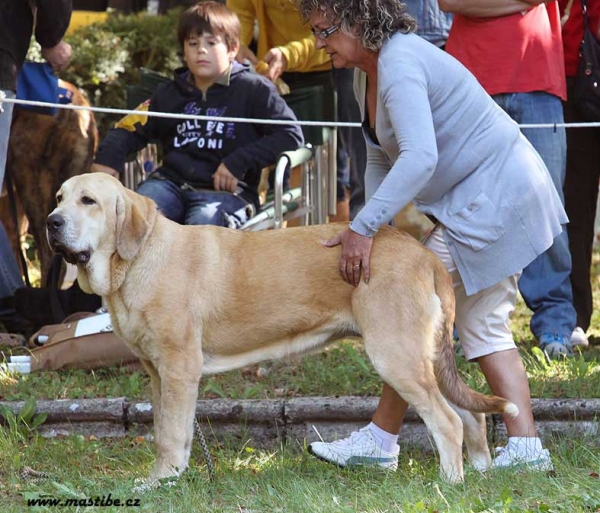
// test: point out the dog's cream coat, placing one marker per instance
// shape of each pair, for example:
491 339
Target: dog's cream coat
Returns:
192 300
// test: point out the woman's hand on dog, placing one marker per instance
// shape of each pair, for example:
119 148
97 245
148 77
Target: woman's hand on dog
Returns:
355 256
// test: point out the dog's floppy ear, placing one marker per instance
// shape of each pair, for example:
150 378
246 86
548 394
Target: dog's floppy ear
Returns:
135 219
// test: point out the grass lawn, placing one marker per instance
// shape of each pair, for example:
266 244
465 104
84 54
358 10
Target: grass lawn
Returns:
286 480
343 369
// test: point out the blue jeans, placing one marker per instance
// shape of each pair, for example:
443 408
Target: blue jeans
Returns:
10 274
545 283
189 206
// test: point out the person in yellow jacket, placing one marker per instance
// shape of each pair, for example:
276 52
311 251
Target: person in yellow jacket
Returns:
286 50
285 43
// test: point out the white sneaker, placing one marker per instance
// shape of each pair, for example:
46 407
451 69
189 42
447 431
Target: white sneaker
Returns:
359 449
579 338
508 457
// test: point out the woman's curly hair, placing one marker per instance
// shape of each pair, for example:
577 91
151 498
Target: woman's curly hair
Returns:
373 22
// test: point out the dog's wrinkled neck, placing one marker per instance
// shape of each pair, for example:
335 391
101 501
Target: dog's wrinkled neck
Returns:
103 276
118 272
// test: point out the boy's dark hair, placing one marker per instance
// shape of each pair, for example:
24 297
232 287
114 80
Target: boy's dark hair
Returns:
212 17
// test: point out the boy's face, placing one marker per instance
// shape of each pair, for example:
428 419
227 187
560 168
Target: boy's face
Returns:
207 57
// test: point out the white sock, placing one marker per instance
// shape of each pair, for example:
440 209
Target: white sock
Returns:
386 440
525 445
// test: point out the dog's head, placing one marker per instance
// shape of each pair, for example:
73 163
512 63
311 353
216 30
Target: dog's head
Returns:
99 224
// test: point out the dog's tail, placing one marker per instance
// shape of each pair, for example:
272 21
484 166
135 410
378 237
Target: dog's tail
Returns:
451 384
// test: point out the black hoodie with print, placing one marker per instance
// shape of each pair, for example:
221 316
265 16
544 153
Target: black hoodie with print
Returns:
193 149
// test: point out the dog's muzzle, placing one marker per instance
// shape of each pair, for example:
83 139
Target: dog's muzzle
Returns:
55 228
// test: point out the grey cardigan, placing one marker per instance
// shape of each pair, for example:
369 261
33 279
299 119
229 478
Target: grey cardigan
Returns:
446 146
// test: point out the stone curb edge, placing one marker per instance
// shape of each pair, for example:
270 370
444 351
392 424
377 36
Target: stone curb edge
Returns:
279 420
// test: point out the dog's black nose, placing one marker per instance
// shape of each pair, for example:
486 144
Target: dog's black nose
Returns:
54 222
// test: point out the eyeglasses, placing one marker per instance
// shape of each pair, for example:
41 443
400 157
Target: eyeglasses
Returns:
325 33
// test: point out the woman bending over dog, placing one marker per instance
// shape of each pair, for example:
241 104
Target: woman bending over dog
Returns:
435 138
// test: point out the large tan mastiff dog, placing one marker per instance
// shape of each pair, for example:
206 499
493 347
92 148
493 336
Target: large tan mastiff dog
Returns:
194 300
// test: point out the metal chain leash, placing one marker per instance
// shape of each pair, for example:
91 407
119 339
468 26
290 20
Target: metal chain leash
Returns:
207 457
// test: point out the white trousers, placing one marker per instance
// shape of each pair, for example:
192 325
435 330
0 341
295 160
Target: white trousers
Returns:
483 319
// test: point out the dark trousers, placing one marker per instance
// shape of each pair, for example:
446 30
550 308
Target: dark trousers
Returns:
351 139
581 196
339 104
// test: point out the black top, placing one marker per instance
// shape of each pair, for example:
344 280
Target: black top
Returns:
193 149
16 28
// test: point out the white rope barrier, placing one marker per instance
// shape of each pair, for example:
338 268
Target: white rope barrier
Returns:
125 112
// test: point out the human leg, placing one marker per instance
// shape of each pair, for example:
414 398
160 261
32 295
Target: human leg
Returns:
545 283
343 180
351 137
483 325
378 440
10 274
581 196
390 410
167 196
5 122
506 376
374 439
216 208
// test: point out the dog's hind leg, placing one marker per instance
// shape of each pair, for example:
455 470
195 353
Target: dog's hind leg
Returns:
475 433
443 423
401 349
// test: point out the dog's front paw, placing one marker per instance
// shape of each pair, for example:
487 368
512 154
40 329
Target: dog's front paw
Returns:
162 474
143 485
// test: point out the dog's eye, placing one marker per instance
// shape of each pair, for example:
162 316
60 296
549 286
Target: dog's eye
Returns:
86 200
58 198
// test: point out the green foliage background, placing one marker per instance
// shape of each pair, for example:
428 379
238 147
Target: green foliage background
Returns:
107 57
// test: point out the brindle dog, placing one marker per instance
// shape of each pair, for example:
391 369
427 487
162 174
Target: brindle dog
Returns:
44 151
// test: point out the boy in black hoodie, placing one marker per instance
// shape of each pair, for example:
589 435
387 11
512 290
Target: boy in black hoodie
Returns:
211 169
